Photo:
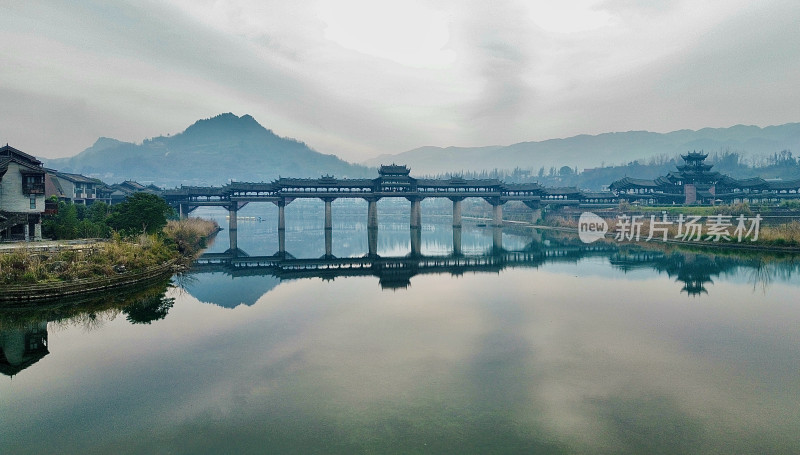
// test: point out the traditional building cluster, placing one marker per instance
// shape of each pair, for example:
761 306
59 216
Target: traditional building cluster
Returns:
26 188
695 183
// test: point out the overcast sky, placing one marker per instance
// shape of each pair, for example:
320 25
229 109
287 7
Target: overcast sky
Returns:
358 78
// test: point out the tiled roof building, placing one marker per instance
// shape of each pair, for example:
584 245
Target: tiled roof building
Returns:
695 183
21 195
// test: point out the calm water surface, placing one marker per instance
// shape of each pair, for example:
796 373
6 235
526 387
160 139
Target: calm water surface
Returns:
557 348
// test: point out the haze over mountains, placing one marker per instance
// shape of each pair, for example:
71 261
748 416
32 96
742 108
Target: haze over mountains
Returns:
586 151
209 152
227 147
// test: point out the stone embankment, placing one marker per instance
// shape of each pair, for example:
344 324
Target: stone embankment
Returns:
43 271
54 290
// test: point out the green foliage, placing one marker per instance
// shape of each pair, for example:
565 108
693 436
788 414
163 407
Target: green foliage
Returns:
792 204
75 221
141 212
98 212
119 254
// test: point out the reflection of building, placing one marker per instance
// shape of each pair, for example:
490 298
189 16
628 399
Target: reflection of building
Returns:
695 183
22 347
21 195
695 271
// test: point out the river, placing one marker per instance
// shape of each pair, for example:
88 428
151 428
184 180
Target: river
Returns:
529 343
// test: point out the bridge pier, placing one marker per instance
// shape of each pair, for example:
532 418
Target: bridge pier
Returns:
233 227
416 213
328 243
372 241
328 228
497 239
457 213
281 241
372 226
372 213
416 241
497 215
282 215
457 240
328 214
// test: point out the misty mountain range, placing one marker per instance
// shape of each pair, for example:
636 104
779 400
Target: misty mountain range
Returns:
586 151
227 147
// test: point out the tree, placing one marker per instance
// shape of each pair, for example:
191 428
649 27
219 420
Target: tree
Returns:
98 212
141 212
63 225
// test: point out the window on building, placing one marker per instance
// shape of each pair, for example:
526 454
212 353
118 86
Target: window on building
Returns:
33 202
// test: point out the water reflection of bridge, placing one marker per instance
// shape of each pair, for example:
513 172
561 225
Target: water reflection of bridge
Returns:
392 272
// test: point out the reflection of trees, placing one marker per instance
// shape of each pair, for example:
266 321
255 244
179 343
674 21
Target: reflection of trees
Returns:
762 274
93 311
24 330
148 310
92 320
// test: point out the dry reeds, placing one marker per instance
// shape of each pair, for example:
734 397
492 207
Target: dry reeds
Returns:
189 235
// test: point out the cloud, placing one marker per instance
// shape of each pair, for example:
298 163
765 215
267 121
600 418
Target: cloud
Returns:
349 79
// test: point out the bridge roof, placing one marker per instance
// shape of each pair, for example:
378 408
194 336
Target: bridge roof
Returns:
754 182
598 195
197 190
323 183
571 190
522 186
459 183
783 184
251 186
628 182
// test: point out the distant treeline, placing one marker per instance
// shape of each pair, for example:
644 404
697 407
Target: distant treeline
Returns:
779 165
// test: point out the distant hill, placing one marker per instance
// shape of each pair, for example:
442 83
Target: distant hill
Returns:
586 151
209 152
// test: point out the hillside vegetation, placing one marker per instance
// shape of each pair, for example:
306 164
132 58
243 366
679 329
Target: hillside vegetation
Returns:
209 152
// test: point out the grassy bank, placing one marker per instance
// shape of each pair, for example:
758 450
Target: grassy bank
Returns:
785 235
179 240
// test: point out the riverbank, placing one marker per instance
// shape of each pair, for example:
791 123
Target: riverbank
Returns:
784 238
33 273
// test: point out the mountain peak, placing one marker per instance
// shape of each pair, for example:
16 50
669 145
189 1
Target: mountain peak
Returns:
226 121
103 143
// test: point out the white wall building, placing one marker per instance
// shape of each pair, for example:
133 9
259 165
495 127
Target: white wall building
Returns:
76 188
21 195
